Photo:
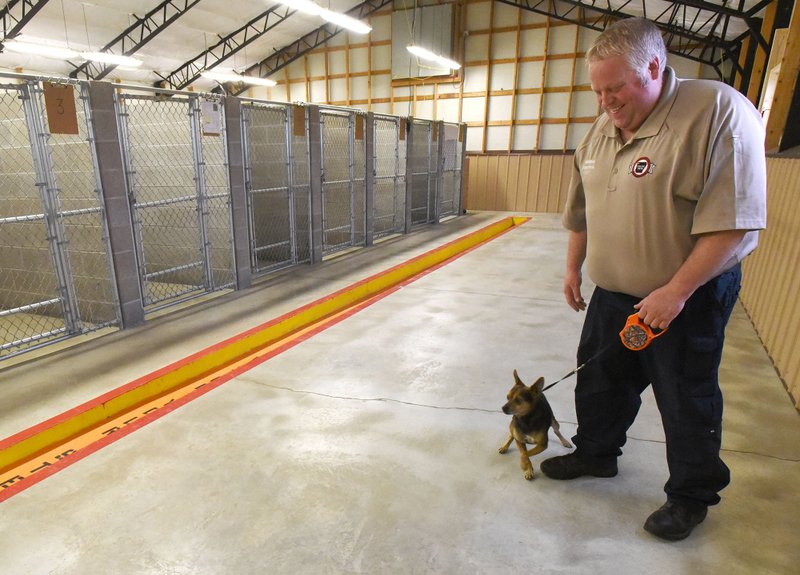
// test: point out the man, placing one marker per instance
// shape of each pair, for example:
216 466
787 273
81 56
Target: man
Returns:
667 190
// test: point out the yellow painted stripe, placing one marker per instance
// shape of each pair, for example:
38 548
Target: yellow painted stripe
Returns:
25 470
50 435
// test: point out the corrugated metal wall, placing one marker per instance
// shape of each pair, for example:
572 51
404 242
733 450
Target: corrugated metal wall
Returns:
538 183
517 182
772 273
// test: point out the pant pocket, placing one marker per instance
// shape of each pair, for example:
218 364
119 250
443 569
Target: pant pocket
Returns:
700 365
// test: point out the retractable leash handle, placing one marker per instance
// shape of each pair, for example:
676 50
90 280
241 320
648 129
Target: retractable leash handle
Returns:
636 334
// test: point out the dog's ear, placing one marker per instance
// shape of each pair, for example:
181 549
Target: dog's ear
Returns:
517 380
538 385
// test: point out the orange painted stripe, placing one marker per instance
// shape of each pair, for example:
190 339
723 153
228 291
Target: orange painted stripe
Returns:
141 409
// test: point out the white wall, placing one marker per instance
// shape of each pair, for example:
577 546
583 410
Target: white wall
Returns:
523 85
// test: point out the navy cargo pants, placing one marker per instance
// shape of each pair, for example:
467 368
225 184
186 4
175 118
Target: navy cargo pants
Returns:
681 365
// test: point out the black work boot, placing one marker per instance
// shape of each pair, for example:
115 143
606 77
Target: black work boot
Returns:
674 520
573 465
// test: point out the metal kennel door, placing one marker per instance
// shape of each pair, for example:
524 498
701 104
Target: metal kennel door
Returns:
180 198
277 183
55 279
450 200
424 158
343 183
390 177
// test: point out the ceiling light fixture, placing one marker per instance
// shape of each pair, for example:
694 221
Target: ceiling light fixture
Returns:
337 18
345 21
44 50
234 77
114 59
428 55
61 53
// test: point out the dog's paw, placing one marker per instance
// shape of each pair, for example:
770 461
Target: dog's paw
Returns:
567 444
529 474
502 450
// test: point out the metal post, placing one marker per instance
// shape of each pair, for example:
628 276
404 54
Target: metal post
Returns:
409 171
462 137
438 128
290 193
351 173
397 193
200 187
315 181
369 178
232 108
111 167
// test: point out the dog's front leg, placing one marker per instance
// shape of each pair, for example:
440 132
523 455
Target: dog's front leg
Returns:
524 461
537 449
506 445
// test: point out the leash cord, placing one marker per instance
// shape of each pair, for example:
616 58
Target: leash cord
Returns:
581 366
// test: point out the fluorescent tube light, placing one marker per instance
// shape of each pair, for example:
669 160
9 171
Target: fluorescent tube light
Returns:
233 77
44 50
60 53
344 21
448 63
337 18
108 58
420 52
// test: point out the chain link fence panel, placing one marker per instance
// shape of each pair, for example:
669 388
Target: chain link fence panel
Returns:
277 183
423 172
390 177
215 197
343 183
181 203
56 279
450 198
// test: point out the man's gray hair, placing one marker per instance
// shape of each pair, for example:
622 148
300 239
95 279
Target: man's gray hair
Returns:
637 40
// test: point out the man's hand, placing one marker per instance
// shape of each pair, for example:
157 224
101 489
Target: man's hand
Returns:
660 307
576 253
572 291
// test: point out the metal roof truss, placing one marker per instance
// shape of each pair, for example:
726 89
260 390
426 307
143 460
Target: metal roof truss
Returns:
135 36
701 31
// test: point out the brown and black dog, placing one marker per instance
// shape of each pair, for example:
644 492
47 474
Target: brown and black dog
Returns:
532 417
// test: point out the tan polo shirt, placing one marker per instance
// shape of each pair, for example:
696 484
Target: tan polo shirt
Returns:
696 165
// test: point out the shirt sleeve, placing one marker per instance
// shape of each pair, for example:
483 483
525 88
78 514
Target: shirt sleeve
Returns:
574 215
734 195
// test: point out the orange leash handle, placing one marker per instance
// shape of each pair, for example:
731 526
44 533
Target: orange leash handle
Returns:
637 335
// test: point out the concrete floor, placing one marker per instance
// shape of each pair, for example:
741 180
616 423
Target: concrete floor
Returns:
372 446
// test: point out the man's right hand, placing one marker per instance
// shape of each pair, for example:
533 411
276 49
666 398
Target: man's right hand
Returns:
572 291
576 253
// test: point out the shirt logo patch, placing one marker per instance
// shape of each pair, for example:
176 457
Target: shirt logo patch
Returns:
588 165
641 167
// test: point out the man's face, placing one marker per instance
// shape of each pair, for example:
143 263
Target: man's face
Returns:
621 94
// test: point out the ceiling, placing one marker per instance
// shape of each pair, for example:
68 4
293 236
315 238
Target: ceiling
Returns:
179 38
172 34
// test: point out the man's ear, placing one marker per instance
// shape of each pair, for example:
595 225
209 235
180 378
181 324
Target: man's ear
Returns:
654 68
